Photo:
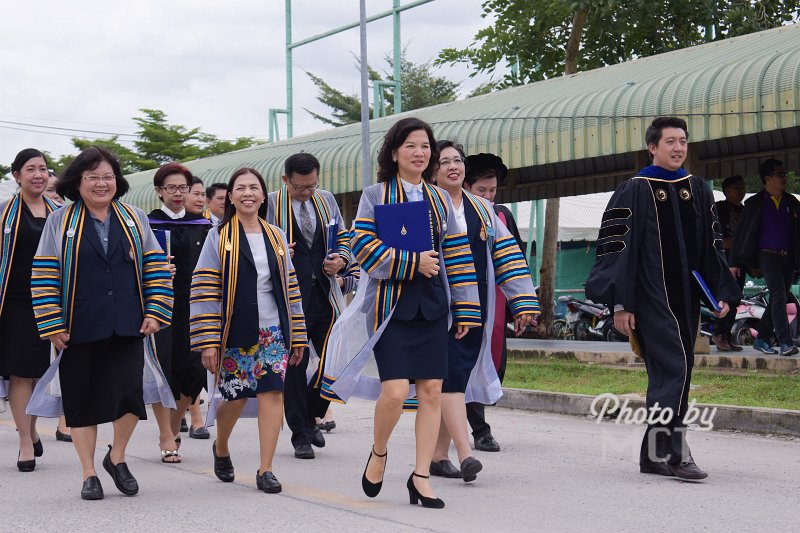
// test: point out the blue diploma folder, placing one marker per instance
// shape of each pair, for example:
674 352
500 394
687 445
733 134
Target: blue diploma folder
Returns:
405 226
705 292
164 238
333 235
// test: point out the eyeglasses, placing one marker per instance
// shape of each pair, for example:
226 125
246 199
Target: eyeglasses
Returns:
108 178
304 187
780 174
172 188
447 162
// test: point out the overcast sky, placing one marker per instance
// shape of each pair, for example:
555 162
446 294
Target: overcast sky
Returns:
91 64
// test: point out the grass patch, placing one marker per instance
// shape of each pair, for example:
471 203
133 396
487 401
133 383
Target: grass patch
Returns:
748 388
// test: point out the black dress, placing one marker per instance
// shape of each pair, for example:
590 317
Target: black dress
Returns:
101 369
22 352
462 354
182 367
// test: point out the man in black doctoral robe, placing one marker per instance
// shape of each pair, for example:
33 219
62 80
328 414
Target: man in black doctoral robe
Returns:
658 227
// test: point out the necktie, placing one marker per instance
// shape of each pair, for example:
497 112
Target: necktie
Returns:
415 194
305 224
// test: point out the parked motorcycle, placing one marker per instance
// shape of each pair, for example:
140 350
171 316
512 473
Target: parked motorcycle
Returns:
586 320
748 314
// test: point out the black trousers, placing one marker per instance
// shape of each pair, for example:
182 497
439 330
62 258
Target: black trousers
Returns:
476 413
778 271
301 400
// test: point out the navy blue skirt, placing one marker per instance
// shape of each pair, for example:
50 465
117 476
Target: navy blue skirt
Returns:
462 354
413 349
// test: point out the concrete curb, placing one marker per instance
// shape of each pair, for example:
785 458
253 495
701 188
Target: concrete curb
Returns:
783 364
750 419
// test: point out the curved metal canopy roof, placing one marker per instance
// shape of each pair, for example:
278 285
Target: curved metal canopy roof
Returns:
738 86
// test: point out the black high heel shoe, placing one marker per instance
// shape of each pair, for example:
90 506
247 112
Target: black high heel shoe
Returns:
414 496
373 489
26 466
38 448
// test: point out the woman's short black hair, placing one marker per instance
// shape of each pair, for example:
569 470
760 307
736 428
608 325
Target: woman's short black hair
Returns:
24 156
230 210
441 145
394 138
89 159
197 181
484 166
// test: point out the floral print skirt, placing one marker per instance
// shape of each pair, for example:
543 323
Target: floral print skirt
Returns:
260 368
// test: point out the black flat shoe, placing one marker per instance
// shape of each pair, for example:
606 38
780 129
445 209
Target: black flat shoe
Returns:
327 426
318 439
687 471
373 489
304 451
445 468
38 449
63 437
92 489
123 479
184 426
26 466
487 444
415 497
268 483
199 433
470 468
223 467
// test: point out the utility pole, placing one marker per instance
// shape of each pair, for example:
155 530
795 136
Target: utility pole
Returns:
366 159
397 82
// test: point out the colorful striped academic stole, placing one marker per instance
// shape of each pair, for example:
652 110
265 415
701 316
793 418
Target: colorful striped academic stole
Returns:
9 220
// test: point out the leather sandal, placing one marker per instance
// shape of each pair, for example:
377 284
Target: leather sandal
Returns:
168 455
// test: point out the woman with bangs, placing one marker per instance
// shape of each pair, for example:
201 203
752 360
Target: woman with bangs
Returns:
405 305
182 366
101 287
247 318
24 357
499 266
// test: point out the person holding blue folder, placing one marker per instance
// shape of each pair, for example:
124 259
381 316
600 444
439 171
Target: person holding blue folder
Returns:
320 244
407 301
499 263
659 228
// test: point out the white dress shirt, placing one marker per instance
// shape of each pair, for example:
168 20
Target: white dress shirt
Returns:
173 215
413 192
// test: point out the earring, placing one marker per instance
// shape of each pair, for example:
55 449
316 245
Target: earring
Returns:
394 160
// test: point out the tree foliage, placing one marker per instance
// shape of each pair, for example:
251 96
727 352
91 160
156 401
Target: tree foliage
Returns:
533 33
157 142
531 40
420 89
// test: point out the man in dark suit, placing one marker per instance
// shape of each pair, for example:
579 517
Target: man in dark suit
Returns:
304 212
767 243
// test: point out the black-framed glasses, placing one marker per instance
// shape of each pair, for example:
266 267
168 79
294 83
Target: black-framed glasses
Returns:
304 187
171 189
780 174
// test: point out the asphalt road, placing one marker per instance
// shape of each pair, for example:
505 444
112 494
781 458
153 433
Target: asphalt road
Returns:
554 473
